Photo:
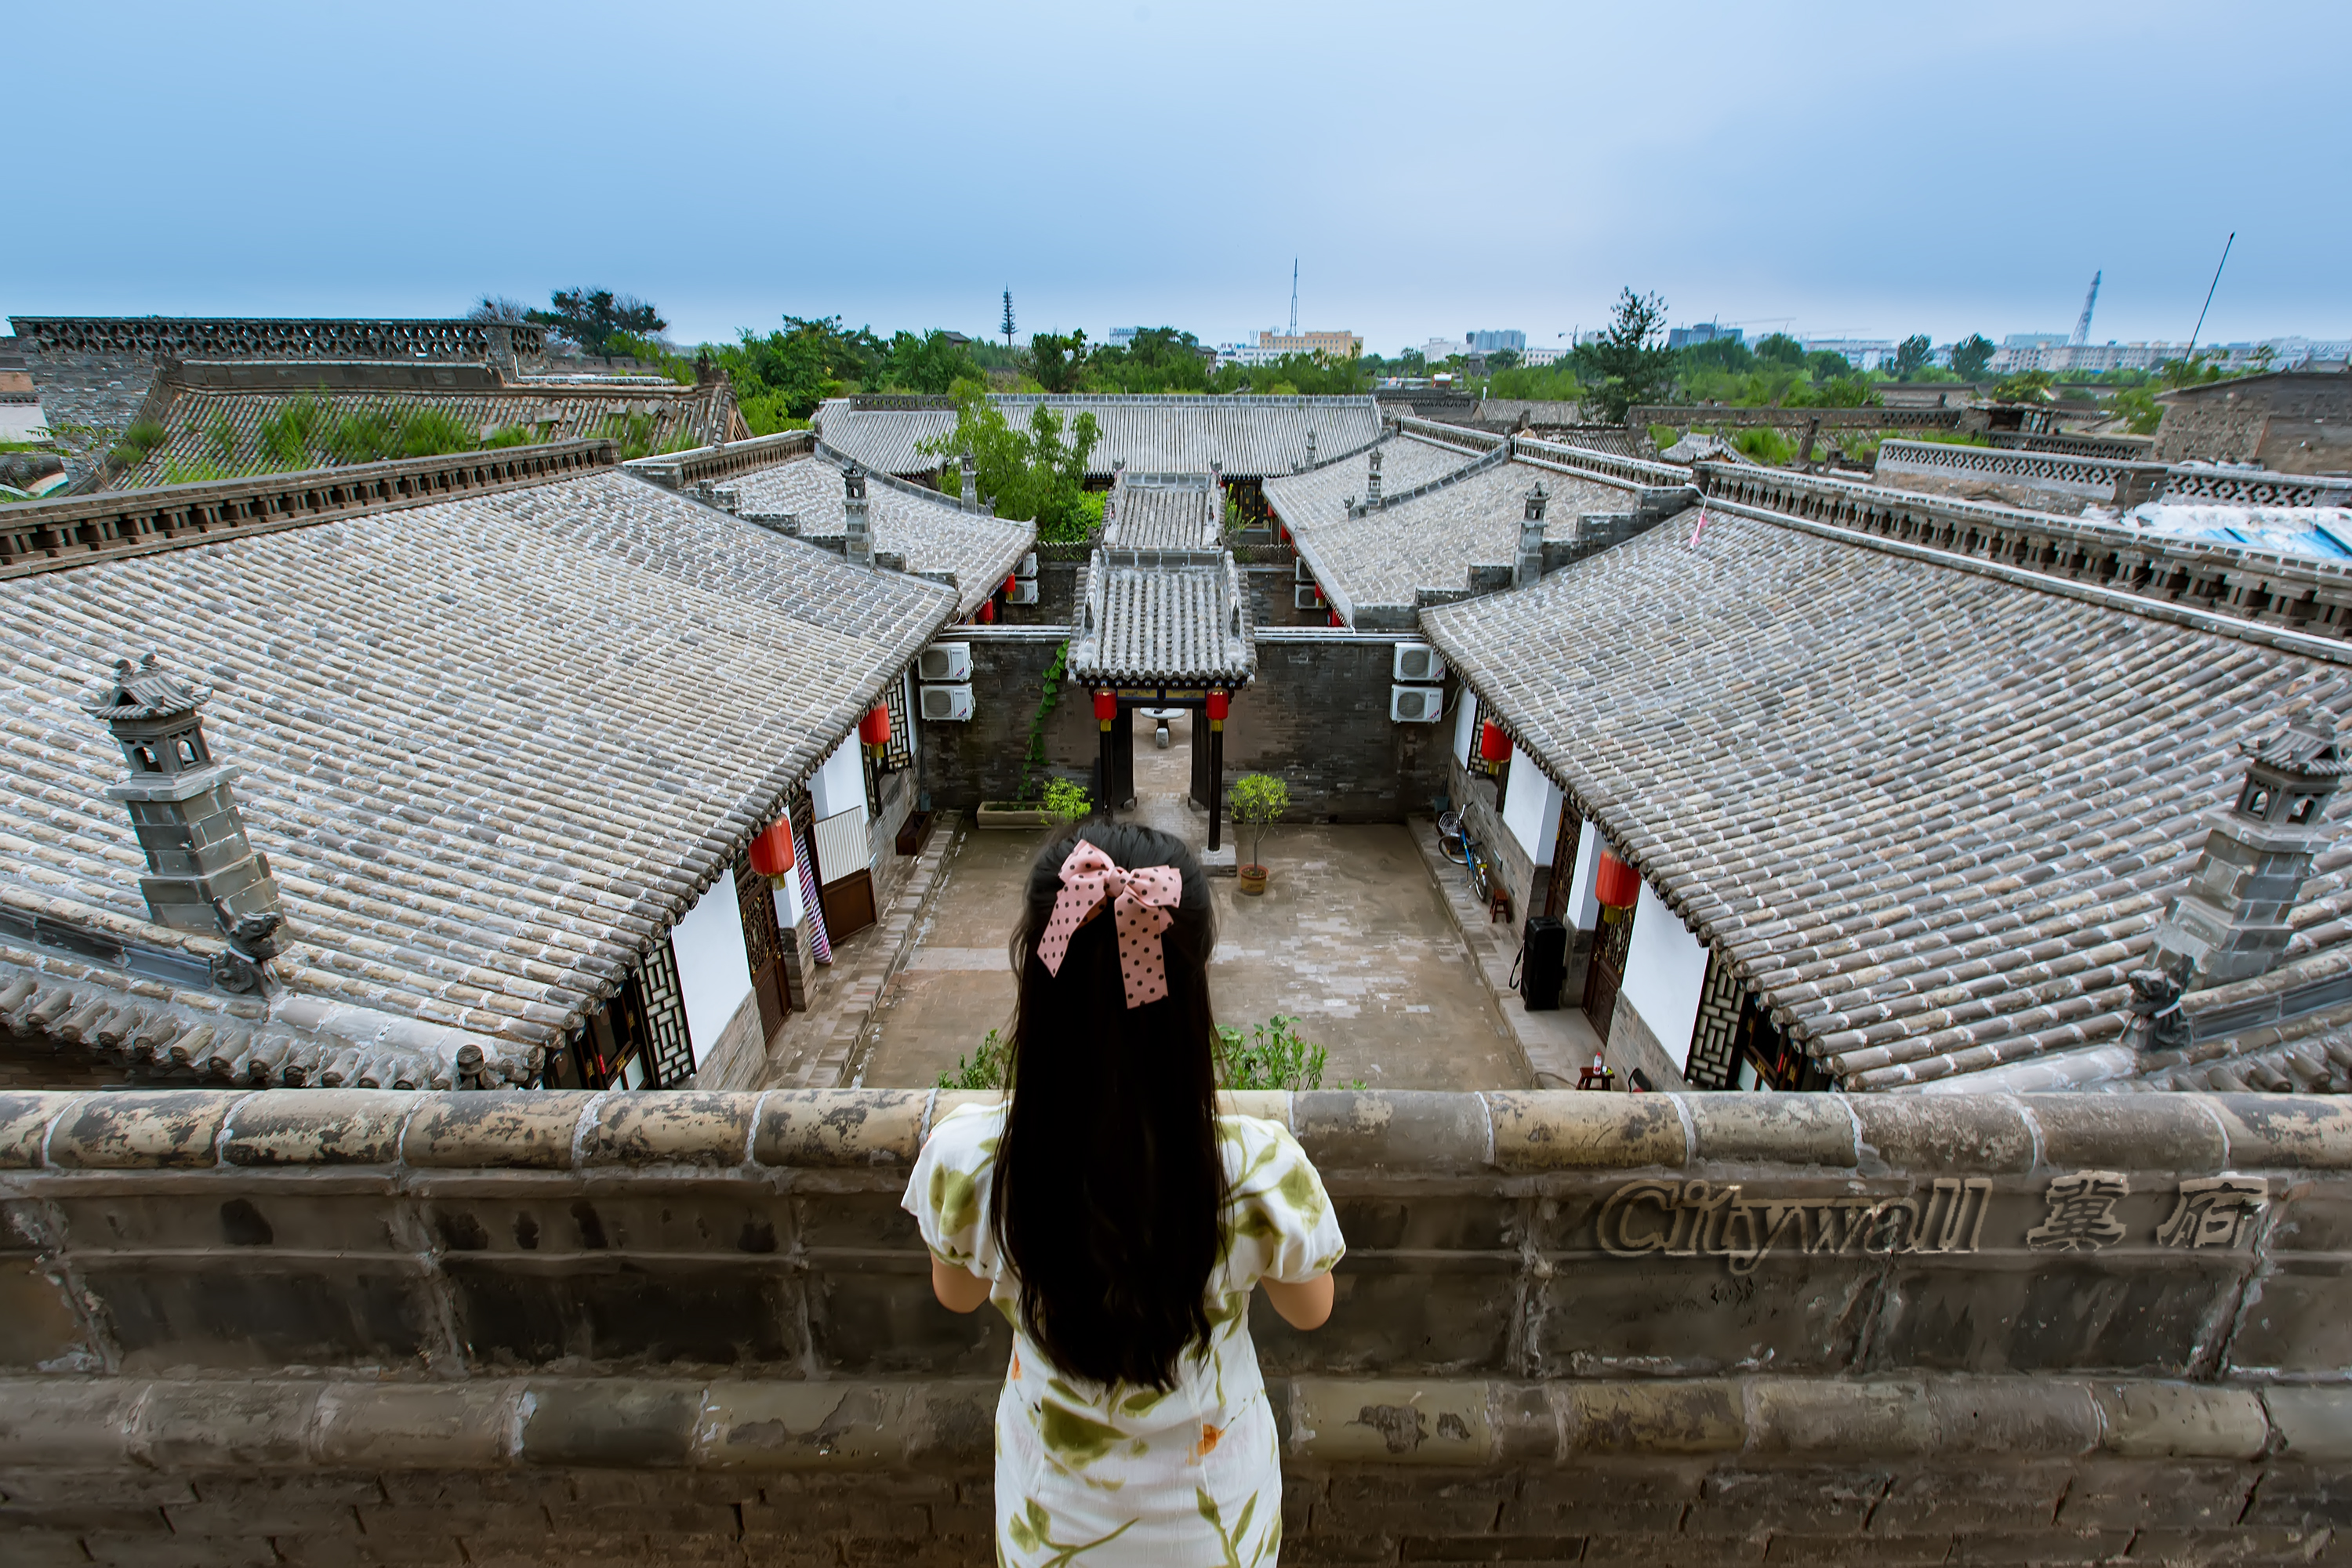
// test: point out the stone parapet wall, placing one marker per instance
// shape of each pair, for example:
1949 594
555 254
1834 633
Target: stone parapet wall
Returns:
370 1327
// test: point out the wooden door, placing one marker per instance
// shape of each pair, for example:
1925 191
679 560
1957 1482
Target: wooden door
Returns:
1563 860
1606 974
764 946
848 905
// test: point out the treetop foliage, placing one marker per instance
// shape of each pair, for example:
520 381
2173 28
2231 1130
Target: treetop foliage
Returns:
590 317
1035 472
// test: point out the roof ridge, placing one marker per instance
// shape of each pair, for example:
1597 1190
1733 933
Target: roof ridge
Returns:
2306 644
53 536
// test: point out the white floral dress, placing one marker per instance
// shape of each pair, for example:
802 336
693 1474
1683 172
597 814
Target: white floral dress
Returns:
1123 1474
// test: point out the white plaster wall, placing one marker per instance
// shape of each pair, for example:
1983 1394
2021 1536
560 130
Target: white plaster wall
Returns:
839 783
1465 722
1665 973
714 968
1531 808
1584 900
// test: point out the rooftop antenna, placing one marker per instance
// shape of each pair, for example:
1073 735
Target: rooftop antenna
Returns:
1293 296
2200 333
2083 327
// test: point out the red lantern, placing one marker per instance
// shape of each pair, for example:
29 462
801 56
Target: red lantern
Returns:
1219 704
772 852
1494 746
1105 705
1335 620
1615 882
987 611
1009 581
874 730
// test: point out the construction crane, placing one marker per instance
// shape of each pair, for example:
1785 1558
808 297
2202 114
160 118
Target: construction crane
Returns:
2083 327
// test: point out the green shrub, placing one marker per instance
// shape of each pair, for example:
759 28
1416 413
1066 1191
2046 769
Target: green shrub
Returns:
287 435
222 436
1272 1056
1664 435
511 435
986 1068
1764 444
142 436
431 431
1258 801
1066 800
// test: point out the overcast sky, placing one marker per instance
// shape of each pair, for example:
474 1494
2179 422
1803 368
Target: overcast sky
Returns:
1870 169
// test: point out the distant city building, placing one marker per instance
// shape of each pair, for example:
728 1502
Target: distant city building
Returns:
1486 342
2050 351
1704 332
1863 354
1123 337
1437 350
1273 343
1540 356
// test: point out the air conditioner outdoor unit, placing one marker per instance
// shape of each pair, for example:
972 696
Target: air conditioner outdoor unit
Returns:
1418 661
1028 567
1414 704
947 702
944 661
1300 571
1022 592
1307 598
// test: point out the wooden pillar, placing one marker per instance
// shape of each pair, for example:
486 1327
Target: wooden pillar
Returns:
1216 801
1106 772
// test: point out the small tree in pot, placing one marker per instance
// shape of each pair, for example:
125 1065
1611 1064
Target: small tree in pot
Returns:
1258 802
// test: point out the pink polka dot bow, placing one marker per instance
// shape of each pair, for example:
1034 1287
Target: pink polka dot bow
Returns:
1141 902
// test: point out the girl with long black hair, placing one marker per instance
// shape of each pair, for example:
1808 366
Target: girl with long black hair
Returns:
1119 1224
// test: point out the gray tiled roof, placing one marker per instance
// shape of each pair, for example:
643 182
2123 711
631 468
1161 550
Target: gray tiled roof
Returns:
1164 512
214 431
931 533
1931 810
1162 616
492 747
1250 435
1384 560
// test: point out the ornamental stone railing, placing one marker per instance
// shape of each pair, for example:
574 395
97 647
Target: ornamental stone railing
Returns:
2115 481
2234 582
2126 449
1449 434
48 536
702 465
1637 472
1685 416
273 337
1704 1329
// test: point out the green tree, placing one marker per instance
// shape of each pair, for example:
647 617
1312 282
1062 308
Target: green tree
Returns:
785 374
1036 473
1316 375
1058 359
2026 387
1971 356
1911 355
590 317
931 361
1160 359
1503 359
1629 364
1006 326
1780 348
2138 409
1258 801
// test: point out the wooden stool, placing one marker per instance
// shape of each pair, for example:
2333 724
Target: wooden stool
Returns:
1597 1077
1498 907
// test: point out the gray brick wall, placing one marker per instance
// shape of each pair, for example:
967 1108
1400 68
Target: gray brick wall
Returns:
1318 716
966 763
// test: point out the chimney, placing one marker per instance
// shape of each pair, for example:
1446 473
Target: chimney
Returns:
2229 922
971 492
202 874
857 532
1372 484
1530 566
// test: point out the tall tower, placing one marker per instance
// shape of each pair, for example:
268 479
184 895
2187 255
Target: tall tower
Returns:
1293 296
2083 327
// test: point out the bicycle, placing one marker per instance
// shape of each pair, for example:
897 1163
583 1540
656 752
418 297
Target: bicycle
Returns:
1455 842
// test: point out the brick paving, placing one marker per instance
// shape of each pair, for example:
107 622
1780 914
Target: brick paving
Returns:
1351 936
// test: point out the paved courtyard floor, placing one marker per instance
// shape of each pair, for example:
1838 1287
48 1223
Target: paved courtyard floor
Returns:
1351 937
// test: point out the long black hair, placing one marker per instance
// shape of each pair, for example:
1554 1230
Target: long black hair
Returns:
1108 1181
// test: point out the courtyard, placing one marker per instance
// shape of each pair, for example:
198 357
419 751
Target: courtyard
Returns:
1351 937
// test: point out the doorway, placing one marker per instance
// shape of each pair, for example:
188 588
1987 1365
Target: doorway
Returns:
1605 977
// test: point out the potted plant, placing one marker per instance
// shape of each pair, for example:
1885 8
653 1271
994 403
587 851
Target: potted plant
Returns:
1258 802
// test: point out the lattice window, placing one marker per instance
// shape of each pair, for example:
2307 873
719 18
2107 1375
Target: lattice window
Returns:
898 752
668 1047
756 902
1715 1038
